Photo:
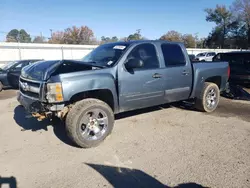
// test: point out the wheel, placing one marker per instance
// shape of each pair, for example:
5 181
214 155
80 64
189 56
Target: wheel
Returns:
209 98
1 86
89 122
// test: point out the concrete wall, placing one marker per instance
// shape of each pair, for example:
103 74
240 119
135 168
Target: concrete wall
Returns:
16 51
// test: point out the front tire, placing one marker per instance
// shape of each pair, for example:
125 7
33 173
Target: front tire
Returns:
209 98
89 122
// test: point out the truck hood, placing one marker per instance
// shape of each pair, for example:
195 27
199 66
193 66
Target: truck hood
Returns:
43 70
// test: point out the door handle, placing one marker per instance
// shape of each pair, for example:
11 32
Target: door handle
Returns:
185 72
156 75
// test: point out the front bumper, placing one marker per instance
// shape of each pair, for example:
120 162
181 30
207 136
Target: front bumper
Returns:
31 105
41 110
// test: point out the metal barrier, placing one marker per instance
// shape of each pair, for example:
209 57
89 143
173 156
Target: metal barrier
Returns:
17 51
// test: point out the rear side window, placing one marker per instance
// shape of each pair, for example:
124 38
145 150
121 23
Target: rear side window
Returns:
173 55
211 54
200 54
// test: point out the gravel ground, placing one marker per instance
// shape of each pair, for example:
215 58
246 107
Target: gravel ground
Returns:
156 147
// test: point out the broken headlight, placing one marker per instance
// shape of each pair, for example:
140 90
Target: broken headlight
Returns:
54 92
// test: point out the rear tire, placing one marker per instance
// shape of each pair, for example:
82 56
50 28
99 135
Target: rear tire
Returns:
89 122
209 98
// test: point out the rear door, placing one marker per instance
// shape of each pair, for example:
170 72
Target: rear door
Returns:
177 72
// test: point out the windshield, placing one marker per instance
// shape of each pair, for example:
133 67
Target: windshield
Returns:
8 65
106 55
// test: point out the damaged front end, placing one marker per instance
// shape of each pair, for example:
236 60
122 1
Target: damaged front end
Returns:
41 110
50 114
60 113
41 99
33 106
41 90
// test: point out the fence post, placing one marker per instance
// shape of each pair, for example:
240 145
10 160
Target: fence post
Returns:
62 52
19 51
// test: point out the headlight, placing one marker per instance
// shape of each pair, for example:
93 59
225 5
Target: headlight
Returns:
54 92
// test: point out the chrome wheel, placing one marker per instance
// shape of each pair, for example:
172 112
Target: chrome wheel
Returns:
93 124
211 98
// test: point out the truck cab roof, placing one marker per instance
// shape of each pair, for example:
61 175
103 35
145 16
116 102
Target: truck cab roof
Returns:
143 41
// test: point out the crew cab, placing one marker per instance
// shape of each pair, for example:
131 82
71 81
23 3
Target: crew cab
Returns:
115 78
10 72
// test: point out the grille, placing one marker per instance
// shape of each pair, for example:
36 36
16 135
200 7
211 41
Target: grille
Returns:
29 88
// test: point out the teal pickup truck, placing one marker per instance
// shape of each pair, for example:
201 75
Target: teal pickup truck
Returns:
115 78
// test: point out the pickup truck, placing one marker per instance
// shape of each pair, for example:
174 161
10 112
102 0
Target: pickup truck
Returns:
115 78
239 63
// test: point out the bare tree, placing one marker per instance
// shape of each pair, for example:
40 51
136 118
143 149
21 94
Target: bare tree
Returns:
172 36
75 35
189 40
57 38
39 39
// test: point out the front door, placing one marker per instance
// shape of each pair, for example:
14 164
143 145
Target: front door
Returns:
177 73
141 87
14 74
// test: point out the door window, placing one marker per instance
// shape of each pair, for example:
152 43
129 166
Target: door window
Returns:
147 54
210 54
173 55
19 66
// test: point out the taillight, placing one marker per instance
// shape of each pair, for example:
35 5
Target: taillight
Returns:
228 71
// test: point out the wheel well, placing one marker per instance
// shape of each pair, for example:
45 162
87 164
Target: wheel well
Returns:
214 79
102 94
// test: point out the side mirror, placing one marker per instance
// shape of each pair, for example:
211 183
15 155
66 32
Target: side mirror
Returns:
134 63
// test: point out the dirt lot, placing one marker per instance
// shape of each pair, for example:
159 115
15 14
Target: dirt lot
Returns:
157 147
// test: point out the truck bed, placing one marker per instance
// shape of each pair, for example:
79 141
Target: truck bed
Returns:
203 70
